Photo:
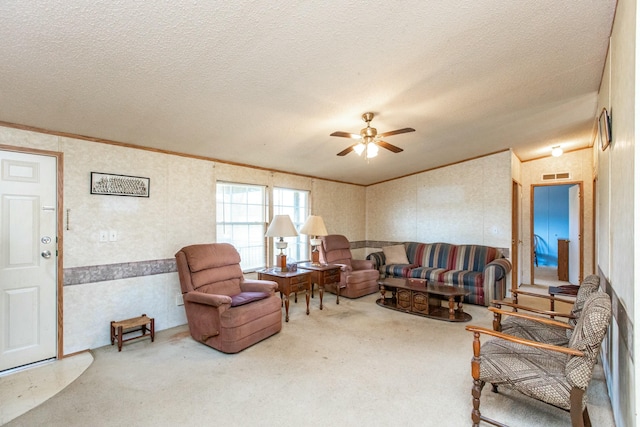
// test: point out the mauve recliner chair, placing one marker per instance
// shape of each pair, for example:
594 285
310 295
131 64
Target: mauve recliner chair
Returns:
358 277
224 310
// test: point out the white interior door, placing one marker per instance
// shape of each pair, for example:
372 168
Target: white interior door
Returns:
28 259
574 234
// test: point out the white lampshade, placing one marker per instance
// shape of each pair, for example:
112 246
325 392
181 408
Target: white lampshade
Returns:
281 226
314 226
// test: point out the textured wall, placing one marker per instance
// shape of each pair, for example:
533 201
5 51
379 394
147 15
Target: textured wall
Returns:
469 202
180 211
618 222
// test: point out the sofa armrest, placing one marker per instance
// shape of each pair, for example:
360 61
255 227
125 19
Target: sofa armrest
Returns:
213 300
378 259
362 264
494 279
501 267
255 285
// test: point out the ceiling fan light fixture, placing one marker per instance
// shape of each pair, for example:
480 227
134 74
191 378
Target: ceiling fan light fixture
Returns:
370 139
372 150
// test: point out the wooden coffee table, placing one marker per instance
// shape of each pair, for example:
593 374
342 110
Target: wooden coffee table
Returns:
418 296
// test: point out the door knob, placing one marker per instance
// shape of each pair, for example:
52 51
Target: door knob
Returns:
46 254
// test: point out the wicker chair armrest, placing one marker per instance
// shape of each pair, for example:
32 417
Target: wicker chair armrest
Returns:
477 330
531 317
500 303
547 297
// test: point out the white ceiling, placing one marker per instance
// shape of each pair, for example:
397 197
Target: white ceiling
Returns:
265 83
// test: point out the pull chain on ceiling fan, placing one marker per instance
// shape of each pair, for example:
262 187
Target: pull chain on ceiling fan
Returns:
369 139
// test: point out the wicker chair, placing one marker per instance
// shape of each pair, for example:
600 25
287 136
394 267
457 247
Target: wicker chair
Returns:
543 329
552 374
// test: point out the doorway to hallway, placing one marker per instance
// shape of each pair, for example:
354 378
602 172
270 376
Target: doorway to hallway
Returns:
556 227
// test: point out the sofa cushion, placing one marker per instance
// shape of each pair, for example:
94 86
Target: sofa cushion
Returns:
397 270
414 251
474 257
429 273
439 255
396 254
470 280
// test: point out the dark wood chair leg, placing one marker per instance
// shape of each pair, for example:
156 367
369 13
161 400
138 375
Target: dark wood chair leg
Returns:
475 392
575 399
585 417
477 383
497 322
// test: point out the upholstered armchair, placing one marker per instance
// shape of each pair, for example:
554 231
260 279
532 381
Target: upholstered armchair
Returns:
552 374
224 310
357 277
541 325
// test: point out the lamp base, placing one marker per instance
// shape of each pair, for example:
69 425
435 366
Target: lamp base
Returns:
315 258
282 262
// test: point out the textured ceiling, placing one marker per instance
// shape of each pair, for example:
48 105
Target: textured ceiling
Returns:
265 84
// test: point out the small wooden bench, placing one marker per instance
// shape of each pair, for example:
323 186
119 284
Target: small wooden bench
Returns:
119 329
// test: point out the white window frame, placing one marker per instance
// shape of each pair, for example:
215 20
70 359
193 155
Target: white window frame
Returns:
241 212
296 204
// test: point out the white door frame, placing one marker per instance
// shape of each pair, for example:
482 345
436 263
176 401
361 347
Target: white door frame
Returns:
580 225
60 219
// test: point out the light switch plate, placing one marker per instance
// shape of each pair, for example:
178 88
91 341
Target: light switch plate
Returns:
113 236
104 236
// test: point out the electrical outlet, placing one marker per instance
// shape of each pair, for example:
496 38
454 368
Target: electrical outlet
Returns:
104 236
179 300
113 236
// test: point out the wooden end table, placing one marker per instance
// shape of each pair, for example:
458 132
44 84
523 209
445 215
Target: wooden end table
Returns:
288 281
412 296
323 274
564 290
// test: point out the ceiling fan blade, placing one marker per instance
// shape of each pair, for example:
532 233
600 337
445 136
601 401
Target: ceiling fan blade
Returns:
345 135
346 151
389 147
396 132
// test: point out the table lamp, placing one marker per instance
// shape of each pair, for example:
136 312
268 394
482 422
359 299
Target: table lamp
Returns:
281 226
314 227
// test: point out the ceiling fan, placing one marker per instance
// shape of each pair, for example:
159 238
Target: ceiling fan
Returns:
370 139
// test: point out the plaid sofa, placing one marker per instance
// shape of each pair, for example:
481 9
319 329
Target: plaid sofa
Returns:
481 269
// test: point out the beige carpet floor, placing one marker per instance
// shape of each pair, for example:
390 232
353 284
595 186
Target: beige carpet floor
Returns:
353 364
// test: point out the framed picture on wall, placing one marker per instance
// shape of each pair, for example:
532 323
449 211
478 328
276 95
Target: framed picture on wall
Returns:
604 129
119 185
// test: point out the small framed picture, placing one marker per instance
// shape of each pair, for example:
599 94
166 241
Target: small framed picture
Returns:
604 129
119 185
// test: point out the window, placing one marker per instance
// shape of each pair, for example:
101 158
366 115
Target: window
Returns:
241 211
294 203
241 220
